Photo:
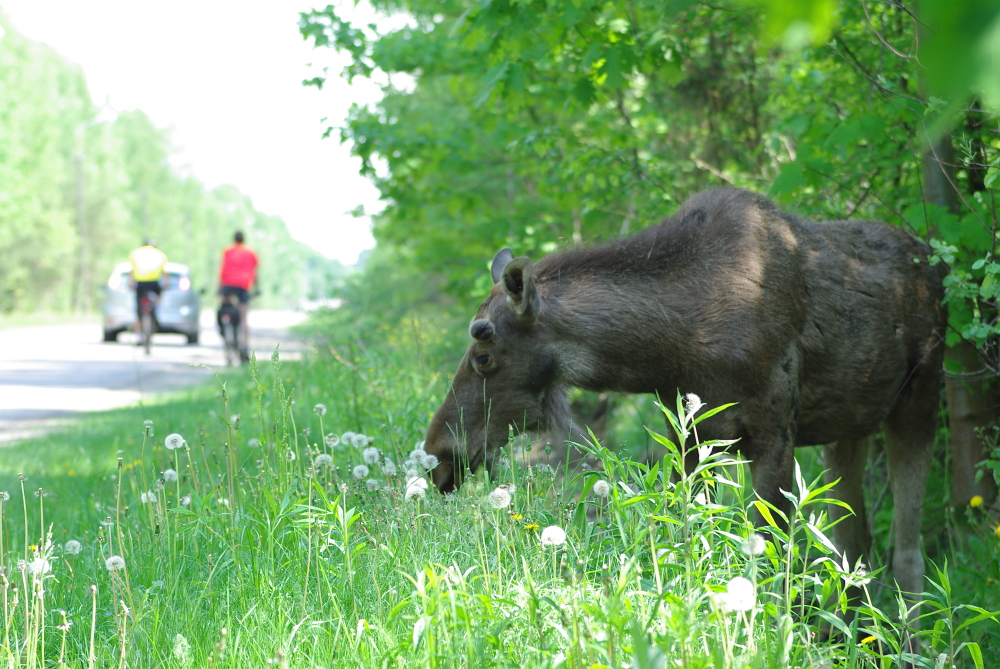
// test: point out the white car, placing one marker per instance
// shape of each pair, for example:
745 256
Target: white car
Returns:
177 311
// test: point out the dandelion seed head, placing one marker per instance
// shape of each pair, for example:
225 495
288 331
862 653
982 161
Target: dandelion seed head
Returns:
553 535
417 454
373 484
290 455
360 471
182 650
692 403
169 475
73 547
389 468
173 441
755 544
416 486
740 595
320 409
115 563
39 567
429 462
347 438
147 427
185 500
5 496
332 440
222 501
602 488
323 460
499 498
370 455
148 497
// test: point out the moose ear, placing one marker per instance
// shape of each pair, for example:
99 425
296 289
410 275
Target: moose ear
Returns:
520 289
500 261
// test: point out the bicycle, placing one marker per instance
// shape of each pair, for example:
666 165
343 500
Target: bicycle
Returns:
147 320
229 327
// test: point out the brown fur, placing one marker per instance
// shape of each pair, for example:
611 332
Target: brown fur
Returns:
821 332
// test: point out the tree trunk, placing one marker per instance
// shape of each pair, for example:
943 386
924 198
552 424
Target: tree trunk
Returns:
969 406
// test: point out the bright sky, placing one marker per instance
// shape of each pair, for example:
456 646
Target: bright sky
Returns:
226 75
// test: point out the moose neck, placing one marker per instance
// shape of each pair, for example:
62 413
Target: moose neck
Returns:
621 314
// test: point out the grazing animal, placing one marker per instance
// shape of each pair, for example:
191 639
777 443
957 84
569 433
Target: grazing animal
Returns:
821 332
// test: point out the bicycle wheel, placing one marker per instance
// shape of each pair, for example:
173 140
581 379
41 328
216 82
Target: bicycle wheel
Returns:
229 335
147 331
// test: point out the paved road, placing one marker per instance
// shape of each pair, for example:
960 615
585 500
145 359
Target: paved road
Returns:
53 371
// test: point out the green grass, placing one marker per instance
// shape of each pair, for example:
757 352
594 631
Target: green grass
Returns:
279 558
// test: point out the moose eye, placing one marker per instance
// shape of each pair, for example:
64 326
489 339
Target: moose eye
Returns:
483 361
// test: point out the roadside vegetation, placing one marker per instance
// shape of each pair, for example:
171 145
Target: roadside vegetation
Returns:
282 516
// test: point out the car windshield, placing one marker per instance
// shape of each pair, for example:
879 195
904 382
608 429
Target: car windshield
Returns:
170 280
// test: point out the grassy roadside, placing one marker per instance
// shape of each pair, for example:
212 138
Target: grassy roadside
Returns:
46 318
260 541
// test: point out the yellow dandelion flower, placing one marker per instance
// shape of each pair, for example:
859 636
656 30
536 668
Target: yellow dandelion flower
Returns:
34 548
998 530
867 640
976 501
531 527
516 516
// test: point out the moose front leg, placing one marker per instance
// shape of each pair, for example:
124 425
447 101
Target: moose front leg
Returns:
771 465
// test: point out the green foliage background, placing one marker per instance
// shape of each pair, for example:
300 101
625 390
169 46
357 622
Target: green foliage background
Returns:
536 124
59 150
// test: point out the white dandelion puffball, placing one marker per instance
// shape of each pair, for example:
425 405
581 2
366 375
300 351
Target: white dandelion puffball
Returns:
320 409
39 567
182 650
373 484
360 440
115 563
415 487
147 426
755 544
411 463
73 547
370 455
429 461
173 442
602 488
222 501
499 498
5 496
693 403
169 475
389 468
323 460
418 454
290 455
553 535
148 497
740 595
186 500
347 438
332 440
360 471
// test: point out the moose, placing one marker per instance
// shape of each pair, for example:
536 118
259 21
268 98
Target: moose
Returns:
821 332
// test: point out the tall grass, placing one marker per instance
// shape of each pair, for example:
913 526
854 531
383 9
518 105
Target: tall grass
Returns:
259 541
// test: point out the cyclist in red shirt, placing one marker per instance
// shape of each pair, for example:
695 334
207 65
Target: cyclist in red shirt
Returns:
236 277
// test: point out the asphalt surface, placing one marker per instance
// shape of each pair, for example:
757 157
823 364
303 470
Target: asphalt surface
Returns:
51 372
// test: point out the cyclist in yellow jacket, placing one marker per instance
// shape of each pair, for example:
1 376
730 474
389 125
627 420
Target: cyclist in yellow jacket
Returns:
147 268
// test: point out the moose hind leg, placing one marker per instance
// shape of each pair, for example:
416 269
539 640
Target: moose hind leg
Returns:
846 461
909 437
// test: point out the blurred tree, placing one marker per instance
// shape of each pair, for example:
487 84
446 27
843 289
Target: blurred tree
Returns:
79 189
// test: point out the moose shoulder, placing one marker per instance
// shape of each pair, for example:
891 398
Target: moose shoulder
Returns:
821 332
